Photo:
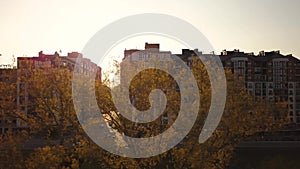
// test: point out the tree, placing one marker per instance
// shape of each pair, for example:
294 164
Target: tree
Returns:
51 116
61 142
243 117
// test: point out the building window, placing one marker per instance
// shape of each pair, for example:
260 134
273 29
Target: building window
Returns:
298 120
271 100
270 92
165 119
250 85
257 85
257 70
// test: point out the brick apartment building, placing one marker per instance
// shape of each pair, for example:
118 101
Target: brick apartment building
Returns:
22 98
270 76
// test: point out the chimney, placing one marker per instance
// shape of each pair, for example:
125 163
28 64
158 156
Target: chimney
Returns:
74 55
197 51
224 52
261 53
41 54
153 46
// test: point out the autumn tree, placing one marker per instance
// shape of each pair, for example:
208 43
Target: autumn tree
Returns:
51 116
52 120
243 118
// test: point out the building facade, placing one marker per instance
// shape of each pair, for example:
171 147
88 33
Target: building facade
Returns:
8 102
269 76
13 77
134 57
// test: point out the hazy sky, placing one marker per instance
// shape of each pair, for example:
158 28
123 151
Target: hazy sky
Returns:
30 26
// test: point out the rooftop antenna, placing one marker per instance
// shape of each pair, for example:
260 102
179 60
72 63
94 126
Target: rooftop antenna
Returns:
13 59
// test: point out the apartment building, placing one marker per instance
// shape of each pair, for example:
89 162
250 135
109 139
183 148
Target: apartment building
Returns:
25 65
8 103
269 76
133 58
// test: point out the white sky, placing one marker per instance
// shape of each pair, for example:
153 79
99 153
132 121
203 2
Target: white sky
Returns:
30 26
